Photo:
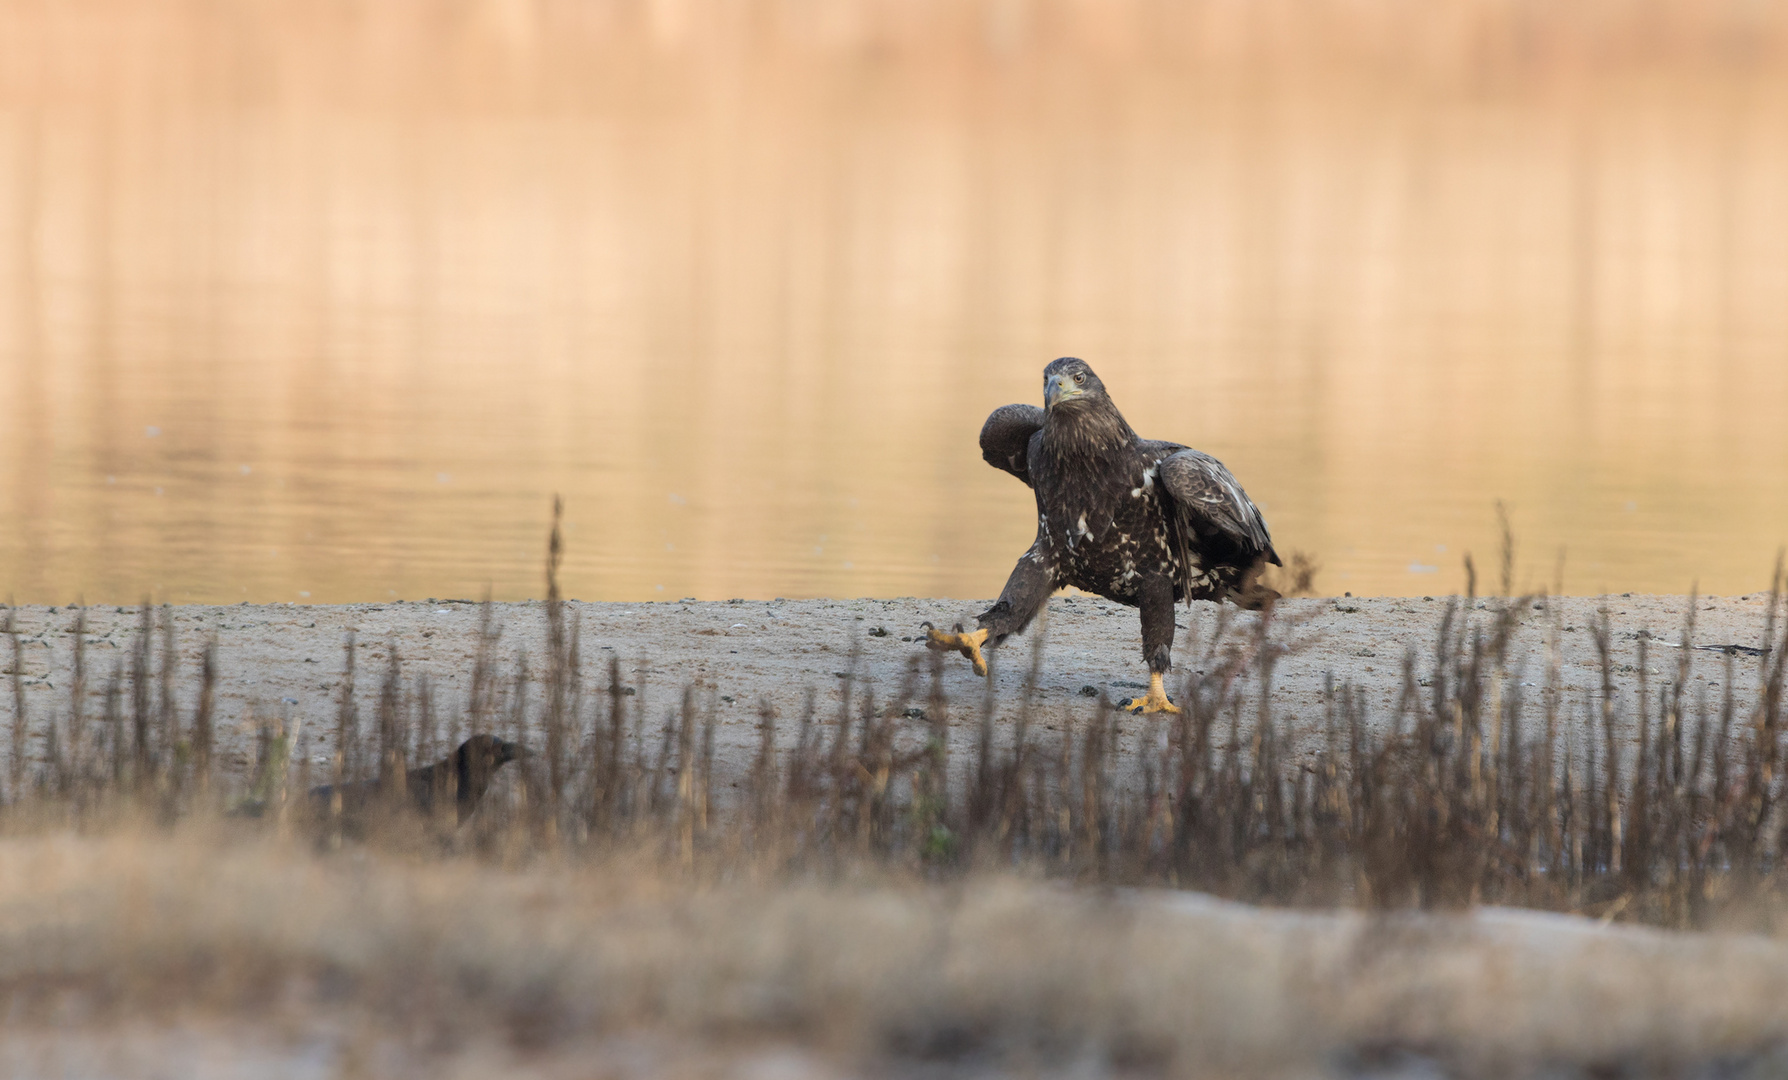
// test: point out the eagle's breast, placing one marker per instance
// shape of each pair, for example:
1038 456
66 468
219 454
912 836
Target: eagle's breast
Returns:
1107 525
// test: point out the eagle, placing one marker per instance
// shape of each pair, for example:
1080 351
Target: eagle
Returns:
1138 521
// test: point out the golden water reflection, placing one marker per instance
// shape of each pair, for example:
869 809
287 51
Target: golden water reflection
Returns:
325 308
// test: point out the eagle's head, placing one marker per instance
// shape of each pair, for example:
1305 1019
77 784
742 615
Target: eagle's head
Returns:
1080 416
1069 383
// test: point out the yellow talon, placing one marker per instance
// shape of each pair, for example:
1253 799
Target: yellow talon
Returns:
1156 701
968 644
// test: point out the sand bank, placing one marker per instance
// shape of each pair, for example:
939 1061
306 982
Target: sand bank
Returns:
290 658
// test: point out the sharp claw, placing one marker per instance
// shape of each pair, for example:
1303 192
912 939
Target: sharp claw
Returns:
968 644
1157 700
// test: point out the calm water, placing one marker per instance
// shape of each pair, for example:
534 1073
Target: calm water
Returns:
293 309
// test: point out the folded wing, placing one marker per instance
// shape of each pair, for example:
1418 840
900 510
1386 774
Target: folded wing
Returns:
1006 438
1206 491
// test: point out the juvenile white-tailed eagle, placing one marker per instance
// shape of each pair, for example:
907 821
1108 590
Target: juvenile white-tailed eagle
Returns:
1141 522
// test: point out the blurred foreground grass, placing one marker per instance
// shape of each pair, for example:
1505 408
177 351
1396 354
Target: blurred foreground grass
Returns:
431 966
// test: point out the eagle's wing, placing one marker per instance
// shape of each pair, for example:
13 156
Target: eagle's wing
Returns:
1201 485
1006 438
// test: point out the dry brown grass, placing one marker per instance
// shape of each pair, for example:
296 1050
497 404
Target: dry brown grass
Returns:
1477 788
861 894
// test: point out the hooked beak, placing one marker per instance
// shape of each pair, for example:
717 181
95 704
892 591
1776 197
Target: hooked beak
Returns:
1056 389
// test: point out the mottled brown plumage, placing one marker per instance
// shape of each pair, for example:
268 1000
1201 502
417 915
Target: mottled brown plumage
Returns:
1138 521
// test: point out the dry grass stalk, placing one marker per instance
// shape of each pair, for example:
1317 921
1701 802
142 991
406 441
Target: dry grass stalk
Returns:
20 718
1474 790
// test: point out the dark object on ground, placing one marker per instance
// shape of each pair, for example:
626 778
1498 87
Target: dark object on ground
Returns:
1735 650
465 774
1729 650
1141 522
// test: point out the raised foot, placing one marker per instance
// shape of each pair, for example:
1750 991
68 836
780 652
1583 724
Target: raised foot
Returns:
1156 701
968 644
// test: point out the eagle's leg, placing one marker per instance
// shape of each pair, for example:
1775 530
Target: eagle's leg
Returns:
1156 601
1026 591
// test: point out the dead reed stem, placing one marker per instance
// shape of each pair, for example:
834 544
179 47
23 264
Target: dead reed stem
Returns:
1473 790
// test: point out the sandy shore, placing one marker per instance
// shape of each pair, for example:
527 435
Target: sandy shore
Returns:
291 657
